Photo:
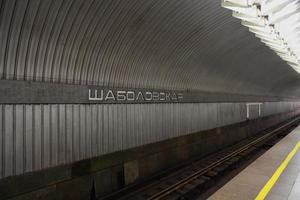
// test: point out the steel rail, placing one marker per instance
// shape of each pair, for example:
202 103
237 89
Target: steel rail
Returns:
202 171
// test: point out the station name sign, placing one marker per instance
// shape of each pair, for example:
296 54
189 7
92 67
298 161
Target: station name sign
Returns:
118 96
24 92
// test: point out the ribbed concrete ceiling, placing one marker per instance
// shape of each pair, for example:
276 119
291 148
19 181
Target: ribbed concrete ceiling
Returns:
170 44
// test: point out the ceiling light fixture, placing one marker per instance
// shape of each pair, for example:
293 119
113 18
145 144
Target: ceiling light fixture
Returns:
275 22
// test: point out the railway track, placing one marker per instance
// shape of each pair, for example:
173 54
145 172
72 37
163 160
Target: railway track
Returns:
200 175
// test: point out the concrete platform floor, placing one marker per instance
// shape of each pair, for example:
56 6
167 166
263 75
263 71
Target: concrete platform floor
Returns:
248 183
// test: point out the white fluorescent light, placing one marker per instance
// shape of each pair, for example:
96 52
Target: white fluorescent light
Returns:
268 7
232 4
242 3
253 25
275 22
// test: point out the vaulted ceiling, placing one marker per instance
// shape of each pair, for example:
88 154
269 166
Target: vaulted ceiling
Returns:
165 44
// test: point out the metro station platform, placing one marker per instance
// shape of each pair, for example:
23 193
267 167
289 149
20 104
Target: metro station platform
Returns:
275 175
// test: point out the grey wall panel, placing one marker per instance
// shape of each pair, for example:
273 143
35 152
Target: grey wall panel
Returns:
83 134
129 126
19 140
76 134
37 139
100 136
54 132
8 141
114 128
94 130
62 134
105 129
34 137
69 133
46 142
2 152
110 138
268 108
89 130
28 139
120 128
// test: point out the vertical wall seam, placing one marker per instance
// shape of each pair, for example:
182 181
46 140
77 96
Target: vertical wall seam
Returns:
80 134
24 138
3 140
73 158
58 135
33 137
14 141
42 138
50 136
97 131
66 133
85 135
